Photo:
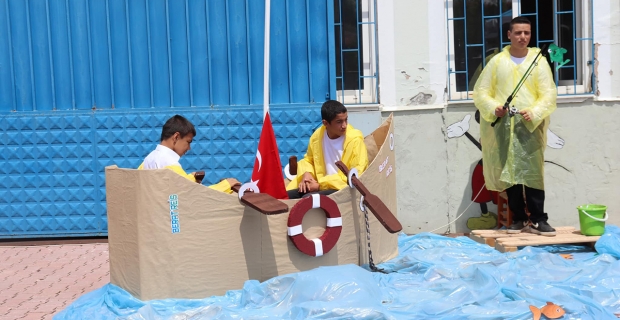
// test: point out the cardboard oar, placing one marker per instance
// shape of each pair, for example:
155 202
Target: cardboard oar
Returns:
376 206
261 202
236 187
292 165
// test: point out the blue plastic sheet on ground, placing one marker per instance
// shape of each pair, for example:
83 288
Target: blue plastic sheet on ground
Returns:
609 242
434 277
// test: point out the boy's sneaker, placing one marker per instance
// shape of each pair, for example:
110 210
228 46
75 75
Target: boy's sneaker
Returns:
516 227
542 228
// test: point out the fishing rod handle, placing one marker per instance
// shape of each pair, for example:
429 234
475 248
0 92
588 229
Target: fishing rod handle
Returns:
506 106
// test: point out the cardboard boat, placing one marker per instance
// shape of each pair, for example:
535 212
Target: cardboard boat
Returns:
171 238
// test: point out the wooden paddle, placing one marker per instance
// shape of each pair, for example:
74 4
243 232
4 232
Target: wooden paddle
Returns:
376 206
292 165
261 202
199 175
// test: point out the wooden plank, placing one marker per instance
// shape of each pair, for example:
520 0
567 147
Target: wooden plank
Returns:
510 245
479 232
479 239
490 237
546 240
508 242
528 235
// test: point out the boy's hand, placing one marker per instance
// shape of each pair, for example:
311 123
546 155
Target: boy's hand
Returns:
525 115
312 186
500 112
305 183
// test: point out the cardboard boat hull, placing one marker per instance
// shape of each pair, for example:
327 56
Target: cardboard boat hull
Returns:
220 243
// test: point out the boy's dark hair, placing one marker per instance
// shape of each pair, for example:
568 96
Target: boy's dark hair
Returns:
519 20
330 109
177 124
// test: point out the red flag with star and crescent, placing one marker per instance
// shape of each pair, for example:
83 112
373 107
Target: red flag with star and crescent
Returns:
267 173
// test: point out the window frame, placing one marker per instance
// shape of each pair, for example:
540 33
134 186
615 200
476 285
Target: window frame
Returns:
370 66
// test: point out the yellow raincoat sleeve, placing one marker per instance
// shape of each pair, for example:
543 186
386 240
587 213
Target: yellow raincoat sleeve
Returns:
485 91
223 186
545 96
354 155
178 170
304 165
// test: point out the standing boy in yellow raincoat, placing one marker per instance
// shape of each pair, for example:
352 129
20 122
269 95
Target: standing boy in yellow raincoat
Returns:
335 140
513 150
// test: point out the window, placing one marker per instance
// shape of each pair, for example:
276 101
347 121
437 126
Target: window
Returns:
477 30
355 51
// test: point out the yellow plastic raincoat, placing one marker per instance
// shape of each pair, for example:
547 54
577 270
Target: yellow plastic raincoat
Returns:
354 155
513 150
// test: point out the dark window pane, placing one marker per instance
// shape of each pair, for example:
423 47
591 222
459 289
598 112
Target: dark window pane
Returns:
565 5
528 6
338 52
566 73
484 37
492 34
349 39
337 10
475 57
566 41
491 8
545 22
474 22
351 71
458 9
459 45
349 23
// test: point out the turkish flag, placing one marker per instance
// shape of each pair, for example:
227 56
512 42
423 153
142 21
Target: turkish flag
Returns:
267 173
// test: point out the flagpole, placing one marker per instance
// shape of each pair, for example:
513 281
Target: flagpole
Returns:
266 64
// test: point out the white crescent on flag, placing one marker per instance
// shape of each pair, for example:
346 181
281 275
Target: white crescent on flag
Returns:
259 158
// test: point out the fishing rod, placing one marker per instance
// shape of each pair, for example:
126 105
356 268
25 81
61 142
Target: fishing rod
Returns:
512 110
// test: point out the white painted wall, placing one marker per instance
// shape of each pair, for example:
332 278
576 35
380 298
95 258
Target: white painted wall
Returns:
607 40
434 172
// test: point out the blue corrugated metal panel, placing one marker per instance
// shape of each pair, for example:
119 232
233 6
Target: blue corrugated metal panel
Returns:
77 54
52 165
6 58
86 84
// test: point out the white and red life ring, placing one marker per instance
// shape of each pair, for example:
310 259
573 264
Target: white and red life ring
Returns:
318 246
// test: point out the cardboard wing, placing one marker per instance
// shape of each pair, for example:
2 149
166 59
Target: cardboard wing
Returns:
172 238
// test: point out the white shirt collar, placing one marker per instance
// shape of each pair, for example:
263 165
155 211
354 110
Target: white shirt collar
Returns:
168 152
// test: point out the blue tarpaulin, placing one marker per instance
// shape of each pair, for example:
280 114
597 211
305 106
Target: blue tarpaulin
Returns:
434 277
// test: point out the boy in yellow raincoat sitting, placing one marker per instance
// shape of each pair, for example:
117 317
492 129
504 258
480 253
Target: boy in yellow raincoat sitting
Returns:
176 138
513 150
335 140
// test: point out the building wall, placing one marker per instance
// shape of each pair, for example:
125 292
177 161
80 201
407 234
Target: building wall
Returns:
434 172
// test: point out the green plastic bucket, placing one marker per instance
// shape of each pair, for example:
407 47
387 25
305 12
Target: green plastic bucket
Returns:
592 219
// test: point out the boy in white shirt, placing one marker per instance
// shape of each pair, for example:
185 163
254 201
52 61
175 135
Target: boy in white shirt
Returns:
176 138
